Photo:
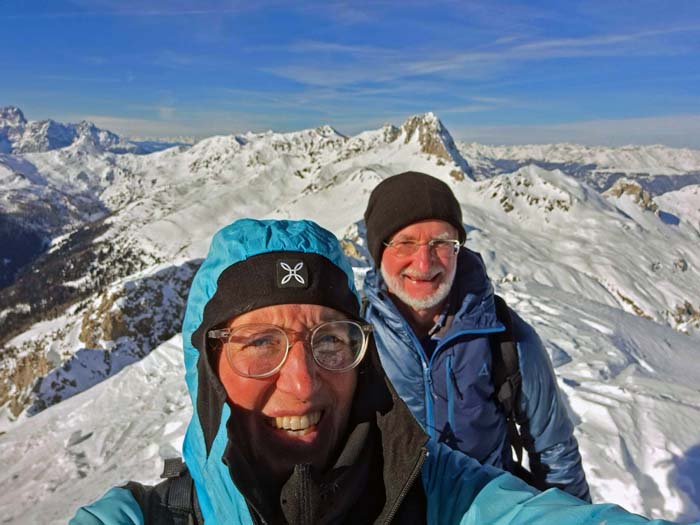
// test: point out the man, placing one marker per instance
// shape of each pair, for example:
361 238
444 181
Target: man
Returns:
294 420
434 314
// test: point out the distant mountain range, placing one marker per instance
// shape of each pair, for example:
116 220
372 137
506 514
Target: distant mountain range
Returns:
597 247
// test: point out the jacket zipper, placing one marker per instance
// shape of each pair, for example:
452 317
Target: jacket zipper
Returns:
411 479
428 364
449 383
429 373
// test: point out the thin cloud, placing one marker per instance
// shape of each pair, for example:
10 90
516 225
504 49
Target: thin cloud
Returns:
385 64
80 78
610 41
166 112
469 108
316 46
134 8
678 130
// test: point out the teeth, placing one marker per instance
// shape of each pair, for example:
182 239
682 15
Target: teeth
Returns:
297 422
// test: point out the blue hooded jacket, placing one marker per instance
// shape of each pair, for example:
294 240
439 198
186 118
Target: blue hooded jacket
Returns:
451 393
457 489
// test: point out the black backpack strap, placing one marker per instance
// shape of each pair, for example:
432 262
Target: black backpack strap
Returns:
173 501
180 494
363 306
506 374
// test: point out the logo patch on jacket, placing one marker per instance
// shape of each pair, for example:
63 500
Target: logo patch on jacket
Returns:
484 371
292 274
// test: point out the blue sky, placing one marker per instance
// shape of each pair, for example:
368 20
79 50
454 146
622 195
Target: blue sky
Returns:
597 72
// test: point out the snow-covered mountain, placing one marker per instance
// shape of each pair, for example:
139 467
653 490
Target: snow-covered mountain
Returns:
597 247
658 169
17 135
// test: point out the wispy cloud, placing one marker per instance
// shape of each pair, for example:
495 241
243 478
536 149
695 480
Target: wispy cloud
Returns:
152 8
373 63
166 112
645 43
98 79
469 108
679 130
316 46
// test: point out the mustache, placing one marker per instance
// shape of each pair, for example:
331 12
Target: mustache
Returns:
423 276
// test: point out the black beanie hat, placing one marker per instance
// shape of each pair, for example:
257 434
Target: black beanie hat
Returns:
404 199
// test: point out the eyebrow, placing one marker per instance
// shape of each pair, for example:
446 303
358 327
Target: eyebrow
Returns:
444 236
277 321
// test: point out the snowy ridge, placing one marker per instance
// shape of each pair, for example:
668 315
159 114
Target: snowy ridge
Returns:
17 135
652 160
610 279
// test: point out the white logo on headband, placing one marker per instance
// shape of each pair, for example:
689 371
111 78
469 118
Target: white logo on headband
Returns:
291 274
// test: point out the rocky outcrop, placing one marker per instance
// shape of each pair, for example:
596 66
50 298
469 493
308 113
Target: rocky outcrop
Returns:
116 327
634 189
686 316
435 140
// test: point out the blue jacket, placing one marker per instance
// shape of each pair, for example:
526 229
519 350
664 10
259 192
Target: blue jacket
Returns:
456 489
452 392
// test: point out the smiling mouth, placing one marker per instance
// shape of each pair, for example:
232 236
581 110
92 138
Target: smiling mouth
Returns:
297 425
426 278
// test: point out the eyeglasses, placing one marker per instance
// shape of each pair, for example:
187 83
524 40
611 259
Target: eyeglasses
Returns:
440 247
260 350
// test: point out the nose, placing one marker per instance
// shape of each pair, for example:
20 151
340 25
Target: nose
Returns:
422 259
299 374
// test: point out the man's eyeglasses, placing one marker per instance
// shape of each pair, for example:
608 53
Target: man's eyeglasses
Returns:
260 350
440 247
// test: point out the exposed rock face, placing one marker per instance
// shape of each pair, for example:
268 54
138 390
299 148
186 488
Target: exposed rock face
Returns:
17 135
527 190
635 308
12 123
686 316
434 140
121 326
11 118
16 381
640 195
428 131
390 133
118 327
76 269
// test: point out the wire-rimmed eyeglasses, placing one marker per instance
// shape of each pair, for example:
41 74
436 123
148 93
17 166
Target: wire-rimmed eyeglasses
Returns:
259 350
440 247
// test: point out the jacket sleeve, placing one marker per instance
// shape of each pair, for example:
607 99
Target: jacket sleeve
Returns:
459 490
116 507
548 434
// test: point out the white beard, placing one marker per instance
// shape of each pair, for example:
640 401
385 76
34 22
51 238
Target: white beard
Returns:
395 286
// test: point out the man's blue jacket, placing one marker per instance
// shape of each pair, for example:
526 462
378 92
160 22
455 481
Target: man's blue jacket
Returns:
451 392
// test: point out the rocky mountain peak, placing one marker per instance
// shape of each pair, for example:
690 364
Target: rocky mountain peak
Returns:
11 117
629 187
17 135
328 131
425 128
390 133
434 139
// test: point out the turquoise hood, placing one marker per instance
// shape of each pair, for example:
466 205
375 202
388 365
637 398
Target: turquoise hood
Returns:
206 441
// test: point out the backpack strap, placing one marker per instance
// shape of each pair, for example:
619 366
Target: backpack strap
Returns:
363 306
173 501
506 374
180 499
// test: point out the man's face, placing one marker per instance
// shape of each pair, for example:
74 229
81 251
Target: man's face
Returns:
299 414
422 280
